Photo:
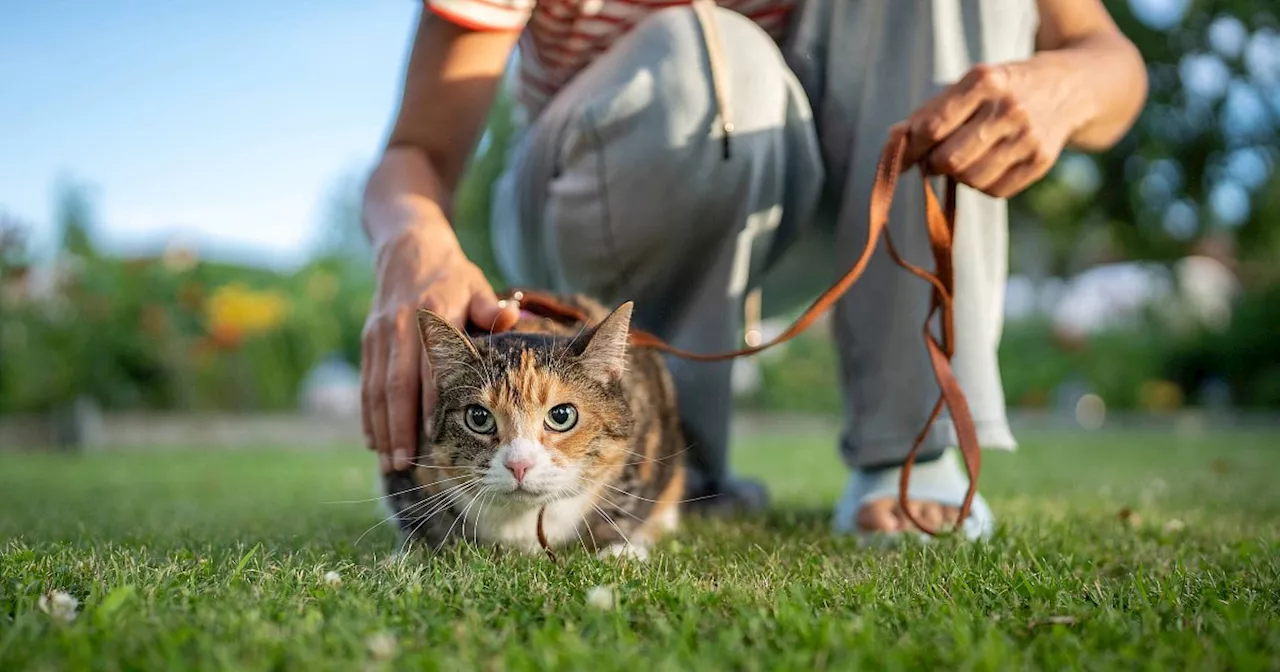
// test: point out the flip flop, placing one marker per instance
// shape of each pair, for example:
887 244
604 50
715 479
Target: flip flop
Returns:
942 481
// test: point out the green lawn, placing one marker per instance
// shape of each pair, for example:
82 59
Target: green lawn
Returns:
200 559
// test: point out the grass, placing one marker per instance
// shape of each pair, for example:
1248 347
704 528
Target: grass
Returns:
199 559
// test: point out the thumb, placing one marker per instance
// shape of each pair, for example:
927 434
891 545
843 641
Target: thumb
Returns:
487 312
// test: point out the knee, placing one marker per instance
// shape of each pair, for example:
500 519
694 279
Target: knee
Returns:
753 78
657 82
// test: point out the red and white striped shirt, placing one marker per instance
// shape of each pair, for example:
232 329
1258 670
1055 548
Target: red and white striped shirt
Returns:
561 37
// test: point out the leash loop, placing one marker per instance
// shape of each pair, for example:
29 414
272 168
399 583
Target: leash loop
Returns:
940 220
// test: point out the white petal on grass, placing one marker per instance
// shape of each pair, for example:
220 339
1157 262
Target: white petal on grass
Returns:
333 578
382 645
1173 525
59 605
602 597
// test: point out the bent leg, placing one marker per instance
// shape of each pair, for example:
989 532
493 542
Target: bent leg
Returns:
878 62
621 190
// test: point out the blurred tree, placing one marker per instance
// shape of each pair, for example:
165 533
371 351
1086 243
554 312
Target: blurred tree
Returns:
13 275
13 243
74 219
341 235
1202 157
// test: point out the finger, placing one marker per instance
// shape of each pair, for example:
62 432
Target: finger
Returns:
488 313
375 396
940 117
403 385
971 143
366 389
1020 176
995 165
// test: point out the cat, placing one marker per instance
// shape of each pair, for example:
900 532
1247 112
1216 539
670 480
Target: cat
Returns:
569 418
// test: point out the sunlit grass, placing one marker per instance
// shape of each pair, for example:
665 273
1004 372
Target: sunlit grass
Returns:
201 559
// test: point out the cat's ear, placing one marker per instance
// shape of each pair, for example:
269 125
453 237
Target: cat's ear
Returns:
446 347
605 355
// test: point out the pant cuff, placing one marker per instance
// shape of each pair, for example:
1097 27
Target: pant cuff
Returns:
891 451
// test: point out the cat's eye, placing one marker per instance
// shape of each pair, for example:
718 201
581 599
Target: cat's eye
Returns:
479 420
562 418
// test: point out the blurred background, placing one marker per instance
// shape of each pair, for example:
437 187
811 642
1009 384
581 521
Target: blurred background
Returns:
181 253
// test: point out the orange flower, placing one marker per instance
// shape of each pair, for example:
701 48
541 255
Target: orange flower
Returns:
235 312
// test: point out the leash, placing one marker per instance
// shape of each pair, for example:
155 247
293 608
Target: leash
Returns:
941 222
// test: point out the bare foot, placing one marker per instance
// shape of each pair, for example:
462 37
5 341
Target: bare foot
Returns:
884 515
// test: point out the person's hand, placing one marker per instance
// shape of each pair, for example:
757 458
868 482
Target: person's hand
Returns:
421 267
998 130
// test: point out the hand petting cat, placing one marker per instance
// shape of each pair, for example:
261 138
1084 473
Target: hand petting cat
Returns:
422 266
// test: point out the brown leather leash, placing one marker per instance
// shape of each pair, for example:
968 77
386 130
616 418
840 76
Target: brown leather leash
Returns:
941 222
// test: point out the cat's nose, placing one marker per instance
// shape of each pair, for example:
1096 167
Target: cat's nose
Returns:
518 467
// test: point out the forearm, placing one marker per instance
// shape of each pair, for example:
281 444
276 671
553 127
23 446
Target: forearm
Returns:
404 192
1102 80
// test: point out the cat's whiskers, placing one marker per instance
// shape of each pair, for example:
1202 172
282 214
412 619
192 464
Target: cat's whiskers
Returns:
594 544
564 352
396 494
609 520
463 517
608 500
416 505
448 498
645 499
646 458
455 494
469 470
483 375
585 523
475 528
578 533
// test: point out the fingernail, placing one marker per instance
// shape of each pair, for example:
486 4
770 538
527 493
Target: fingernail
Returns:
384 462
402 460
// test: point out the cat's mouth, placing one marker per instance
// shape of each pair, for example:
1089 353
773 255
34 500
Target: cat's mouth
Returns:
525 496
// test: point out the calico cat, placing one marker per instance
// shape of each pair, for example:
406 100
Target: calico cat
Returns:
566 418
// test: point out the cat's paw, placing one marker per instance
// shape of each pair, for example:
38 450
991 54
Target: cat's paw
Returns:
625 552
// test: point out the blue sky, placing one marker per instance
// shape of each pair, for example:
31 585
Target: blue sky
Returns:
227 122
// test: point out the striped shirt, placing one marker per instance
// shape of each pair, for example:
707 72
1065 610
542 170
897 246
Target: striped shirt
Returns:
561 37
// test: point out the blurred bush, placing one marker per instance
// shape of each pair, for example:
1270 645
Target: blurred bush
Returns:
174 331
177 332
802 376
1243 359
1148 367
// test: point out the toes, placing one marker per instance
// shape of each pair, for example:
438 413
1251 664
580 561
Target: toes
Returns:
879 516
885 515
932 515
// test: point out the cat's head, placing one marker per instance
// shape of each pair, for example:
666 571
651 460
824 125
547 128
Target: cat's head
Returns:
535 417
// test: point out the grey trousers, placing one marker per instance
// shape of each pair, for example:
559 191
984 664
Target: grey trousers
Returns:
619 189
